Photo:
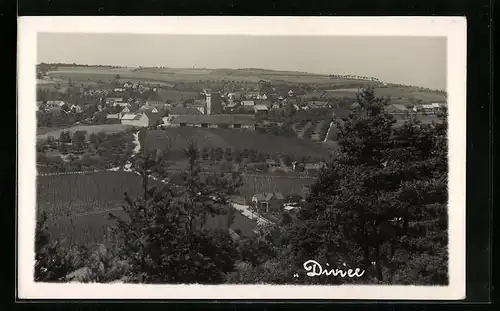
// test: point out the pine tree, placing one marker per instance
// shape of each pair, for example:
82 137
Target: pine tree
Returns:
382 202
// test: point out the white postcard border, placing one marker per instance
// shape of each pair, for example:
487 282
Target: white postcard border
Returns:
454 28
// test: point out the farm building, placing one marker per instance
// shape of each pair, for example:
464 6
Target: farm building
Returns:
268 201
215 121
145 118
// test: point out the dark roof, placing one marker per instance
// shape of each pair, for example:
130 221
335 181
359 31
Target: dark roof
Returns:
266 196
215 119
185 111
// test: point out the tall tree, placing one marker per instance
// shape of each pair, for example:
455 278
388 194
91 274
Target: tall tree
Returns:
79 139
382 202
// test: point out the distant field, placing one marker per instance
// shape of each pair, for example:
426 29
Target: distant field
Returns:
107 128
193 75
393 92
180 138
175 95
339 87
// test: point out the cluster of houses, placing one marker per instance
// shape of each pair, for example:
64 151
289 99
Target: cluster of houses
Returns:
96 93
134 86
57 106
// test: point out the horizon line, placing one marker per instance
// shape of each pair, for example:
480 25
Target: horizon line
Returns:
249 68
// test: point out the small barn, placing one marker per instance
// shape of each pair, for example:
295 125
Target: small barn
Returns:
231 121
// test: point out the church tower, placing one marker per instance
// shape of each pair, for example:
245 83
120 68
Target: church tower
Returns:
208 97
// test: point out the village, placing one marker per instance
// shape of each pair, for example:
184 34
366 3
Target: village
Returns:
139 105
257 109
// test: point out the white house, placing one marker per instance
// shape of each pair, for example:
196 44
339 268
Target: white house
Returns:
145 118
115 116
248 103
135 119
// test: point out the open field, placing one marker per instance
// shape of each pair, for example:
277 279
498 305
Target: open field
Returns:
69 194
179 139
85 229
170 76
61 195
107 128
78 204
394 92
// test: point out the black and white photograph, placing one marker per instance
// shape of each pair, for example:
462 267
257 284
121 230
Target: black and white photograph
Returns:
325 155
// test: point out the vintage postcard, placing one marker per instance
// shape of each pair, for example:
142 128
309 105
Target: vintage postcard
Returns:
241 157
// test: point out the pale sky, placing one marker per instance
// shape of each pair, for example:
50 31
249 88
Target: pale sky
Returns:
407 60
